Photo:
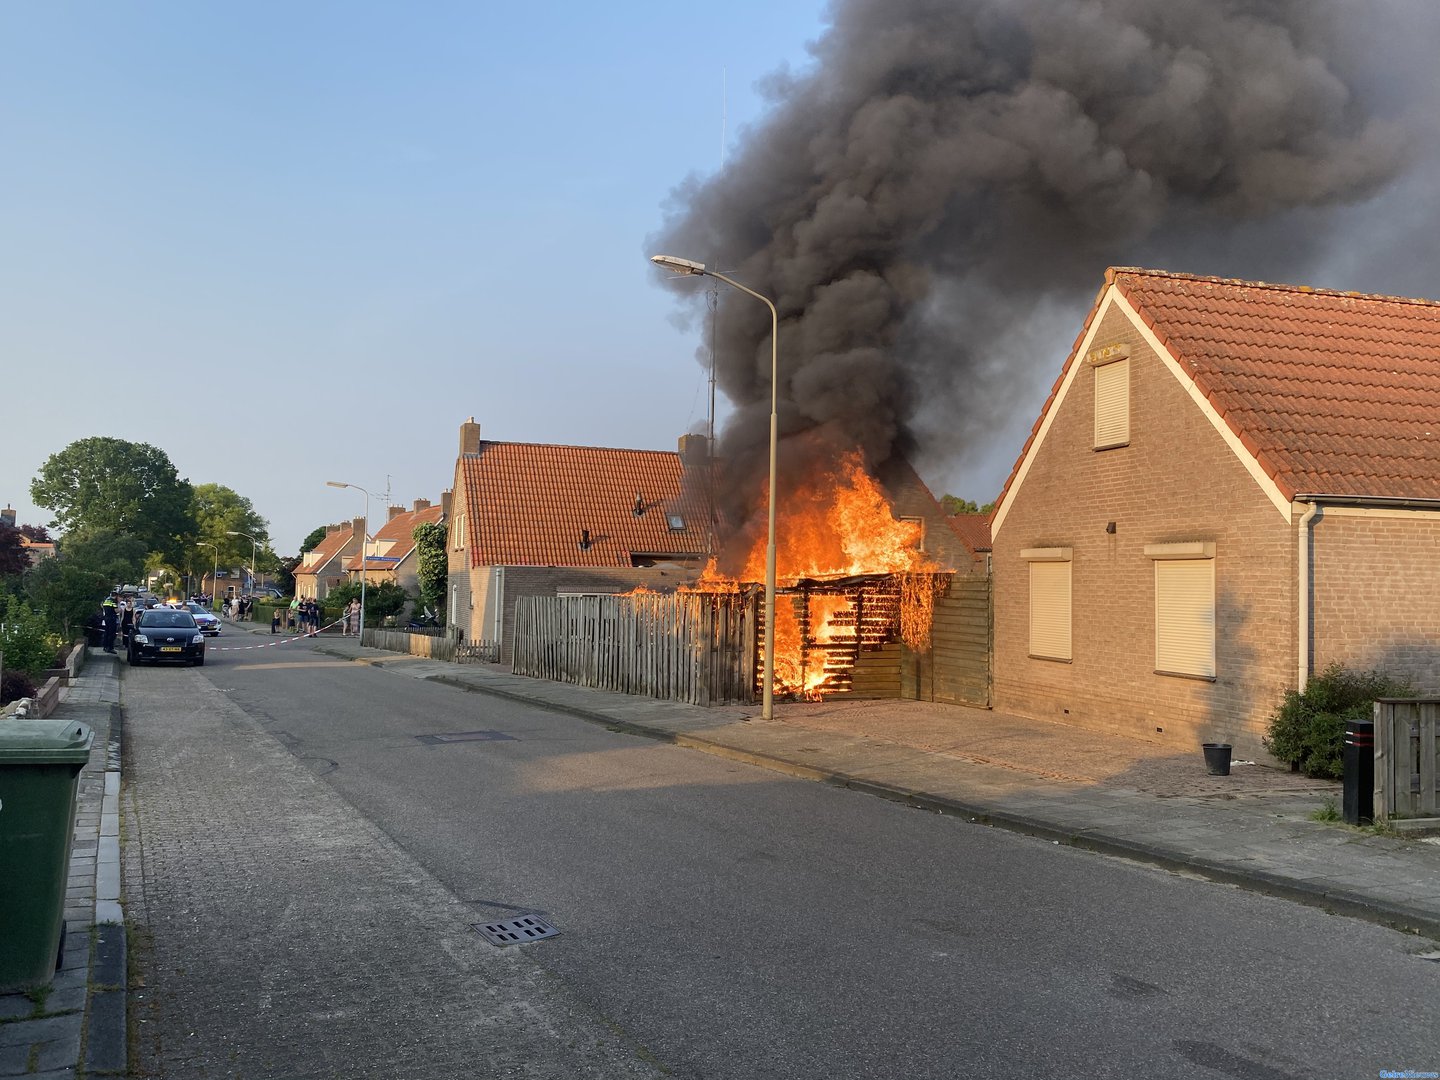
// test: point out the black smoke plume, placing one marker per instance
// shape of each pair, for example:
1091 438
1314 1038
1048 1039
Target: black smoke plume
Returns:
950 170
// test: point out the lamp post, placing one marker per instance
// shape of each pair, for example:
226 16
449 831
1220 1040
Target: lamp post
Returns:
215 574
364 545
254 545
686 266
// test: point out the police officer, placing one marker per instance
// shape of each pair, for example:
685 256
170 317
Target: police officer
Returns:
111 615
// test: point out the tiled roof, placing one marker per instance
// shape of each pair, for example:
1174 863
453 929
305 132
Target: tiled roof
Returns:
398 529
1333 393
974 529
326 550
526 504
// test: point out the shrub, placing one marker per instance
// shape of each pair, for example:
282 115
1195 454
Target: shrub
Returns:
25 640
1308 729
15 685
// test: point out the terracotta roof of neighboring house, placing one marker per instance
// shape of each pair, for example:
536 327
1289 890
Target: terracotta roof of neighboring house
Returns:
326 550
1333 393
526 504
974 529
398 529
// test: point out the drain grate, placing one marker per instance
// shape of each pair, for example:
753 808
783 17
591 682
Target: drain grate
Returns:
465 736
515 931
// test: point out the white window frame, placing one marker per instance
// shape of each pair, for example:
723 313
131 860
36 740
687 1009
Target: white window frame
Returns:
1050 571
1111 367
1185 619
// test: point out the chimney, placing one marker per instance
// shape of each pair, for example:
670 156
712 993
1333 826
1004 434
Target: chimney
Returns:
394 511
469 437
447 498
357 526
330 529
420 504
694 451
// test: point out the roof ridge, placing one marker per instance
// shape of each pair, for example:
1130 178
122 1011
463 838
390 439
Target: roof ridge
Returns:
1272 286
572 446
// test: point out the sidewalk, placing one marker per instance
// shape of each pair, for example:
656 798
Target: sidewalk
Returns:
1106 793
80 1024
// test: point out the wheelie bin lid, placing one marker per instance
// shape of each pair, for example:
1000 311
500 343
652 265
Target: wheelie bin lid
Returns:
45 742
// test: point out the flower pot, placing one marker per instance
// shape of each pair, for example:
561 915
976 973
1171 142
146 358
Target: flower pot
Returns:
1217 758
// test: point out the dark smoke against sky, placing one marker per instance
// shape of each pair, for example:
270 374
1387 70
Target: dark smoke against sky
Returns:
953 175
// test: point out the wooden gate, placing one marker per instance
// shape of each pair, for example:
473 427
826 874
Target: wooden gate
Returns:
956 670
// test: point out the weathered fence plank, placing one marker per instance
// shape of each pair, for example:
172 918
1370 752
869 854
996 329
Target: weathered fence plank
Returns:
1407 743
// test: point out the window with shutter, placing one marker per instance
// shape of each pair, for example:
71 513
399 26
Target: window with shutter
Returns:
1112 404
1049 602
1184 609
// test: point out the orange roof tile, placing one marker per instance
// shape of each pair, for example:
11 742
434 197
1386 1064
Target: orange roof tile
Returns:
398 529
974 529
1334 393
526 504
327 549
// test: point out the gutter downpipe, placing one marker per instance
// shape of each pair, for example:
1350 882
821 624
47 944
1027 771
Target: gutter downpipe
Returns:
1315 499
1303 674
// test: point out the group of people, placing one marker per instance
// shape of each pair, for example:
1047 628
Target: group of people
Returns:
239 608
306 615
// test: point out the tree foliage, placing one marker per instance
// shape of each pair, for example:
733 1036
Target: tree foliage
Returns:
219 511
953 504
433 562
14 559
104 483
381 600
68 588
25 640
312 541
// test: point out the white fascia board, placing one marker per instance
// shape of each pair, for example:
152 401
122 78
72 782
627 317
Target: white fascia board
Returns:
1267 485
1394 513
1076 364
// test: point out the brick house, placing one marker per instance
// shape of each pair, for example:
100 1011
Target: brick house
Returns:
390 554
322 567
539 520
1231 485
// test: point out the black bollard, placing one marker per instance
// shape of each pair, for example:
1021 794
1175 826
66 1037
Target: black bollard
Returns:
1359 782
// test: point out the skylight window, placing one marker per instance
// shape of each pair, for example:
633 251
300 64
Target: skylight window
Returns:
677 522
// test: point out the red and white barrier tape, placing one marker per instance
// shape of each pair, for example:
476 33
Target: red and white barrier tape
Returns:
267 644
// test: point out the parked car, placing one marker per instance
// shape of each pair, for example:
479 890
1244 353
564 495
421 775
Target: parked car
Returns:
204 618
163 634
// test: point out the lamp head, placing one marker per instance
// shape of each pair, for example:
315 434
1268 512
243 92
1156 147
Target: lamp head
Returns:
335 483
680 266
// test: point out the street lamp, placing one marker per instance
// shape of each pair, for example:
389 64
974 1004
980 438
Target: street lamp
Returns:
364 544
254 544
215 574
686 266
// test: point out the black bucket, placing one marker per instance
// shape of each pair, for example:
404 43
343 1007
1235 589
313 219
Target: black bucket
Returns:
1217 758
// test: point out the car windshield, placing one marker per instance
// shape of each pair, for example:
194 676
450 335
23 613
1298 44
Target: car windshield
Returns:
196 609
169 619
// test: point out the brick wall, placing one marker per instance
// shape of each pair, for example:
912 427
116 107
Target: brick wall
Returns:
1376 583
1176 481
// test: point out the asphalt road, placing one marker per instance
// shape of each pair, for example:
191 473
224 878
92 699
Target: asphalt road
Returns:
735 923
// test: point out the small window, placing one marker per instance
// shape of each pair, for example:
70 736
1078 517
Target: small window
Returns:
459 532
1049 602
676 522
919 523
1112 403
1184 609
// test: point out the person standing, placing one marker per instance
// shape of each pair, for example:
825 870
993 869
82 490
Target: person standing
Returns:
275 620
111 616
352 613
127 620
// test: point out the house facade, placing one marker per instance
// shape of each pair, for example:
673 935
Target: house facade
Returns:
390 554
541 520
322 567
1232 485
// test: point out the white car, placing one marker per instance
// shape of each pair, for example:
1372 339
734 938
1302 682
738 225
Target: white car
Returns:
204 619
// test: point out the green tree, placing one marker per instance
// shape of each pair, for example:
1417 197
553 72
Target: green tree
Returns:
312 541
282 574
14 559
25 640
433 564
220 511
104 483
953 504
68 588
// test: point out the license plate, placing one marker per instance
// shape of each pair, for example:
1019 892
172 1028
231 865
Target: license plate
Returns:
171 648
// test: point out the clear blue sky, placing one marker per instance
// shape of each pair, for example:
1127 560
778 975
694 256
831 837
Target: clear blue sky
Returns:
289 243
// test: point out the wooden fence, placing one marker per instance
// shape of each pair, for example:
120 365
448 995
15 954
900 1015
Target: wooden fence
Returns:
1406 749
401 641
692 647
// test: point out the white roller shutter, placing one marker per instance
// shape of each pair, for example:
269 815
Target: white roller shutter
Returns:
1050 610
1185 616
1112 404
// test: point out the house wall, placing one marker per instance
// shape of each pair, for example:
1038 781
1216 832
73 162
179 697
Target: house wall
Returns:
1176 481
1376 578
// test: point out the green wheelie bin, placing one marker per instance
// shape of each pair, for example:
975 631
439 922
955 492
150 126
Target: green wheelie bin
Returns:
40 763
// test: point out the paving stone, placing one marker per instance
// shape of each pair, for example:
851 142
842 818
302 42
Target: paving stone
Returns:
105 1032
15 1058
109 964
